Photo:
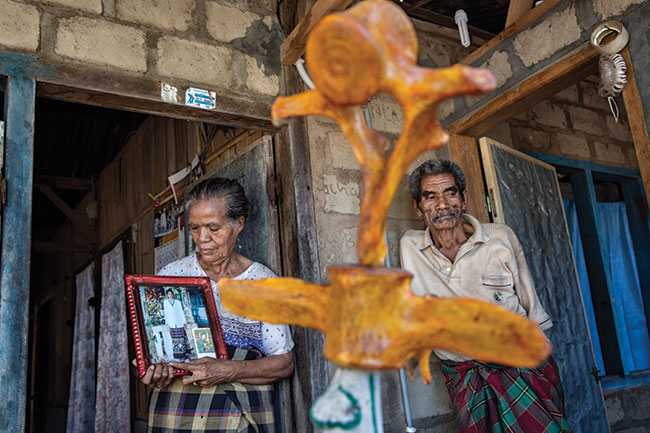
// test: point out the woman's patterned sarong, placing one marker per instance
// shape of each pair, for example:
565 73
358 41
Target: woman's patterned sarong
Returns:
180 343
492 398
224 408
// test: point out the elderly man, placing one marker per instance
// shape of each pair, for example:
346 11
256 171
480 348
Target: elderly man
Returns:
456 255
175 320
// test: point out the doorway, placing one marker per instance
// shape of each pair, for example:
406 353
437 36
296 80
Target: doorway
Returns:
95 170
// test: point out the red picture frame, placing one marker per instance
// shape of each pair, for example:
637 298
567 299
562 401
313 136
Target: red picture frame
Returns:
153 304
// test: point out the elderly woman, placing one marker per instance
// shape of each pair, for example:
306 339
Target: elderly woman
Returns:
221 395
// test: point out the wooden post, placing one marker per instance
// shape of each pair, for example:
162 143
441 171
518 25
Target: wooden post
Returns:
464 152
638 125
300 252
16 238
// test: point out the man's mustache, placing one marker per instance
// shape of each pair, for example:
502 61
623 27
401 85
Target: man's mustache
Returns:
444 213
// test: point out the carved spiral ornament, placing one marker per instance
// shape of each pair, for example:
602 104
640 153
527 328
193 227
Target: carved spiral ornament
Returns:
343 60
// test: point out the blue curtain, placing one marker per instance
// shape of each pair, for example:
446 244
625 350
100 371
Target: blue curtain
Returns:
626 290
583 279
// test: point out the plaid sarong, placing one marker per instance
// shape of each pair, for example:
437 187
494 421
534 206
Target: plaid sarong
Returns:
493 398
180 343
225 408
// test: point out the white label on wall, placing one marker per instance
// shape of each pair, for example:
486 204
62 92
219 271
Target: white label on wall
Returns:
169 93
200 98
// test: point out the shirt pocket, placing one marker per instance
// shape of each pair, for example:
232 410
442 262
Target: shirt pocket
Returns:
499 289
497 281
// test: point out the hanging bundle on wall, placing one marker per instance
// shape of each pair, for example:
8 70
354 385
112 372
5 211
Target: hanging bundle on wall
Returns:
611 65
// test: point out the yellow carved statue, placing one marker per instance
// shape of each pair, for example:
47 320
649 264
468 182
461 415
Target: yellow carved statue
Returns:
369 316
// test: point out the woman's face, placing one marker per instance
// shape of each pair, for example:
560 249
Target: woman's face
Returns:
213 232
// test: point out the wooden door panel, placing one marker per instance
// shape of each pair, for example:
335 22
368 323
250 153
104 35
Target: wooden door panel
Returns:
527 198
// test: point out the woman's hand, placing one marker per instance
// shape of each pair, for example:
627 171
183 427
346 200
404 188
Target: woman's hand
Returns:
158 375
207 372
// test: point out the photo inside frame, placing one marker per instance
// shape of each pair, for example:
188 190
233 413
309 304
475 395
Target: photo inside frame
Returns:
176 323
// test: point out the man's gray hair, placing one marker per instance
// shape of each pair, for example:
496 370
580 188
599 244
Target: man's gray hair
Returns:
433 167
218 187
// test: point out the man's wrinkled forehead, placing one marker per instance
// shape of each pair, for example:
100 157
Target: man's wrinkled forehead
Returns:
438 183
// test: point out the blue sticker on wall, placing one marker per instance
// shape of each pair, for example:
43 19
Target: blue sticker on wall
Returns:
200 98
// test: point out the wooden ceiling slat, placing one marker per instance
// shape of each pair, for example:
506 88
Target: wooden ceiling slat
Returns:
523 21
443 20
419 4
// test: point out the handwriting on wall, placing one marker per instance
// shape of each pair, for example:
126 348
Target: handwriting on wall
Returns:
342 197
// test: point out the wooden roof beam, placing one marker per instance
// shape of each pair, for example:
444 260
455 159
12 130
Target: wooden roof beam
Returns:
60 182
516 9
536 88
294 46
76 219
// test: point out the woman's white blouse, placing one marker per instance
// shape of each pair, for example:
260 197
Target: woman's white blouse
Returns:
237 330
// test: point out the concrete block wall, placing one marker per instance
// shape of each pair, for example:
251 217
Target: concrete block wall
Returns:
218 45
337 194
628 409
576 123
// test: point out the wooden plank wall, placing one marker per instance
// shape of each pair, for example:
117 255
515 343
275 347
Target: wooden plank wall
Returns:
225 149
159 148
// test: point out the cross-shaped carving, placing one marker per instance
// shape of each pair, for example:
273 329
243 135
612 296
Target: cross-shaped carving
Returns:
369 315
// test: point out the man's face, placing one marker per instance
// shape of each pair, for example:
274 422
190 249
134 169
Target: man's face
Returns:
170 295
440 202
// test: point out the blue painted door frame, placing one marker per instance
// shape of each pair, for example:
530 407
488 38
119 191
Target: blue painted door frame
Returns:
16 249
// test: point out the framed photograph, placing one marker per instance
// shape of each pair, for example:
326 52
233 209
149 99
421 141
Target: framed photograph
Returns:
173 319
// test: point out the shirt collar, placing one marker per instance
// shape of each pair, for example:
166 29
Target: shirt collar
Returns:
478 236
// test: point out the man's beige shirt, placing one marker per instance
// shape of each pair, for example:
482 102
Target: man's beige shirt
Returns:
490 266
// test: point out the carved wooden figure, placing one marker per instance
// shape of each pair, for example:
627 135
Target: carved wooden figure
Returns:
370 317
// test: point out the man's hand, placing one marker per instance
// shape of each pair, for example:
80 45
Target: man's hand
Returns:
207 372
158 375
